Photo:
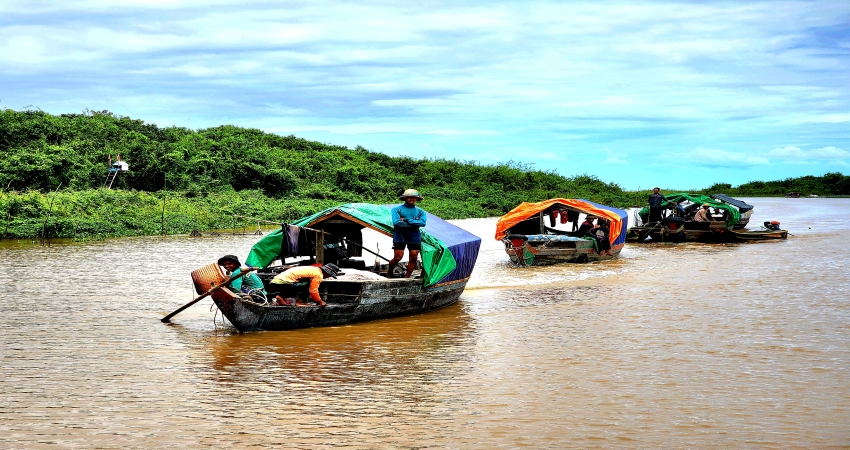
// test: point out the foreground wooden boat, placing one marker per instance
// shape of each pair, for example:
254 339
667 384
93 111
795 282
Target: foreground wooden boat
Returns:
528 241
448 257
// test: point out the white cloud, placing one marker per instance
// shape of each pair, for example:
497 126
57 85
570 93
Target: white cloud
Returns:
410 102
550 156
652 77
714 157
613 160
465 132
792 154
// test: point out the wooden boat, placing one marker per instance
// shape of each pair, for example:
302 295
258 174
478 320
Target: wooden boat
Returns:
528 241
448 257
759 235
678 229
745 210
677 224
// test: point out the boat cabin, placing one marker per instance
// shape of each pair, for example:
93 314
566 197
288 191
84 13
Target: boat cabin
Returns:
547 232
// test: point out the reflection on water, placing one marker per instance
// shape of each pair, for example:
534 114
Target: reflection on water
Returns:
668 346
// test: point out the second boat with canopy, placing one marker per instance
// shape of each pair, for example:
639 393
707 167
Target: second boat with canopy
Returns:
529 241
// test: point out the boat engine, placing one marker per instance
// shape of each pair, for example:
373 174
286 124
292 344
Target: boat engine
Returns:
772 225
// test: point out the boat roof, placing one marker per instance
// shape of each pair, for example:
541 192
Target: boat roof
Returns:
619 218
448 252
741 205
734 213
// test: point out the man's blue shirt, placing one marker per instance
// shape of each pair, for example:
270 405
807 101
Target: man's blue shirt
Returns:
655 200
407 230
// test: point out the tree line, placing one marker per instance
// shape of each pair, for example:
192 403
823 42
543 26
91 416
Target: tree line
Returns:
204 176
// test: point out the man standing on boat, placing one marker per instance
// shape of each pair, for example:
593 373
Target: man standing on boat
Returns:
655 201
407 220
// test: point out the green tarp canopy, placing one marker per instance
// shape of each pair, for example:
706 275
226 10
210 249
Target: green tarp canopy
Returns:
437 260
731 219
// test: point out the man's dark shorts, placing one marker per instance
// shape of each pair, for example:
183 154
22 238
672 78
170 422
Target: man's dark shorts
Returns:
411 246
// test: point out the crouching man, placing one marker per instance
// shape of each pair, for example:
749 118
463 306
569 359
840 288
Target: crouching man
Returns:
296 280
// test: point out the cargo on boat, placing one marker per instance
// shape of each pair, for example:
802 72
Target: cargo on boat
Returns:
362 292
530 241
726 219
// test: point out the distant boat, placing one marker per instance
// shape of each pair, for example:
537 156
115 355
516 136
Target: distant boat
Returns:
528 241
448 257
729 215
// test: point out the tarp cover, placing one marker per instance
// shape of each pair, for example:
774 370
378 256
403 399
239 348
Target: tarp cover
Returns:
448 252
731 219
741 205
618 218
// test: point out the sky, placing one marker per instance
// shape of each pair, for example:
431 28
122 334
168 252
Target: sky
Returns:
672 94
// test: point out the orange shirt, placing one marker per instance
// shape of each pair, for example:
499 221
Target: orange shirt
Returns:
296 273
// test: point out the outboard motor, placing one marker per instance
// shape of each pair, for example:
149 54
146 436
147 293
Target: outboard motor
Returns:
772 225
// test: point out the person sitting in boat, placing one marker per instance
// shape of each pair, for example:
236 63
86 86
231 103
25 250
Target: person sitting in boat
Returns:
407 220
249 284
292 282
589 229
703 214
655 201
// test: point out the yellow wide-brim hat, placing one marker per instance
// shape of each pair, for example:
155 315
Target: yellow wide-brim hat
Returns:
411 193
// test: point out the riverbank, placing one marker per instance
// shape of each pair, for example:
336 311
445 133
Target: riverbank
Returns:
102 213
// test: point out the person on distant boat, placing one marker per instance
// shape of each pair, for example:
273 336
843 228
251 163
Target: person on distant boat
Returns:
407 220
292 282
250 284
702 214
589 229
655 201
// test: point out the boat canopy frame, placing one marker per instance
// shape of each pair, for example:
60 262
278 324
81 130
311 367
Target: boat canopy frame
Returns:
448 252
528 211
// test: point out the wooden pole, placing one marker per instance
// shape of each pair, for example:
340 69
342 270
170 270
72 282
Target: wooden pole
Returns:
316 230
210 291
49 211
320 247
164 193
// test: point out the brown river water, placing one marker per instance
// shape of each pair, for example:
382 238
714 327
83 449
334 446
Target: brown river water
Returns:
668 346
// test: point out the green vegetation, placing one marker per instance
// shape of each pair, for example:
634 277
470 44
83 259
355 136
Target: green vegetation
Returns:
206 176
831 184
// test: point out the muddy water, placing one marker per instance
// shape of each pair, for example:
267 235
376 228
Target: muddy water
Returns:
668 346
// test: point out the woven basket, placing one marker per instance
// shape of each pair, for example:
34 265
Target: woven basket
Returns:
207 277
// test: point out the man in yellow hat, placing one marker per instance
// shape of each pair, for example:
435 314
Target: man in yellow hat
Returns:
703 215
407 220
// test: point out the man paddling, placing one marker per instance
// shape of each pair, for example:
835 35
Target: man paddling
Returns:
407 220
250 284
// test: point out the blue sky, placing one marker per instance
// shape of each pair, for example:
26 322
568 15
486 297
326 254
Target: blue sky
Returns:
680 95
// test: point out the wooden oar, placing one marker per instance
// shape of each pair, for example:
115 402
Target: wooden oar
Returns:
212 289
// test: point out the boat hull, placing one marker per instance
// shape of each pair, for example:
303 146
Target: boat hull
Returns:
529 254
761 235
713 232
347 302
